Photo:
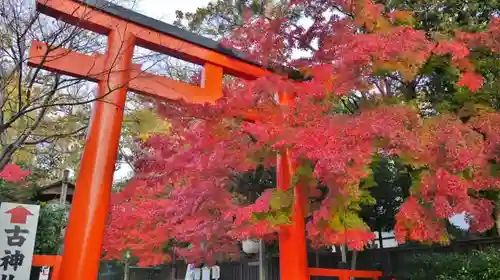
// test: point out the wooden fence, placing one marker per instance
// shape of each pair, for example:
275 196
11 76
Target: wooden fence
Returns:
388 260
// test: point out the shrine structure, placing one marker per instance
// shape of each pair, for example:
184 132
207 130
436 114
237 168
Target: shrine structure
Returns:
116 75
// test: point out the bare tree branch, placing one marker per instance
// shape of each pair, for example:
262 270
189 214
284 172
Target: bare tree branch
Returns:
56 136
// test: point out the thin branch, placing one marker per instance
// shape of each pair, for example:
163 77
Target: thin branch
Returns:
346 106
6 154
55 136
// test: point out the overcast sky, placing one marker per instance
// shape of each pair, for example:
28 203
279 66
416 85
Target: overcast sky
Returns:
165 9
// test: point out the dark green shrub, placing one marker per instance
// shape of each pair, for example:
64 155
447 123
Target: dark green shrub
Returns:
51 222
478 265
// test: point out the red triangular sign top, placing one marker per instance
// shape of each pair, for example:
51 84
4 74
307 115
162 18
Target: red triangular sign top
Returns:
19 215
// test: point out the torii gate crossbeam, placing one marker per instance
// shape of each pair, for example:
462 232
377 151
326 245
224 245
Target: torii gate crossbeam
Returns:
115 75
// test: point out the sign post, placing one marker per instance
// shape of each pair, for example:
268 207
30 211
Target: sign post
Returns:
44 273
18 223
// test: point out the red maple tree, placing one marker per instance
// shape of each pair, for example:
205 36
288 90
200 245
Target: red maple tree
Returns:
13 173
181 197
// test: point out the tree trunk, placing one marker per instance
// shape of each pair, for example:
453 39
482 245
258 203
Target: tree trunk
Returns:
262 260
380 239
354 259
343 251
126 270
497 216
173 273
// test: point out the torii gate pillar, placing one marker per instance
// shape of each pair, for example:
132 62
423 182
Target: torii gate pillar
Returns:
292 238
89 211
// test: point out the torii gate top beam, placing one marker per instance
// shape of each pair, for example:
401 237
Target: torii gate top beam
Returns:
153 24
102 17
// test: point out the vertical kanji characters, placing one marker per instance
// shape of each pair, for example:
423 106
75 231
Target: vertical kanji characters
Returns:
15 237
12 259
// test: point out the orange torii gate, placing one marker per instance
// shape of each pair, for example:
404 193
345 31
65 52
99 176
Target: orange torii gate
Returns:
115 75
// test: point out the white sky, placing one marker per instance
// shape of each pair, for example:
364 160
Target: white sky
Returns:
163 10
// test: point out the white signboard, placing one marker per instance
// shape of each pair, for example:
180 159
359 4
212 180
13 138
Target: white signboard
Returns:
18 224
205 273
197 273
44 273
215 272
189 272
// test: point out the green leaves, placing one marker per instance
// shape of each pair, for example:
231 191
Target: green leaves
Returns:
144 123
346 220
281 199
50 225
280 208
478 265
304 175
280 218
495 169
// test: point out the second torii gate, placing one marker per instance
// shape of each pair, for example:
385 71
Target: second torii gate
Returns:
115 75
